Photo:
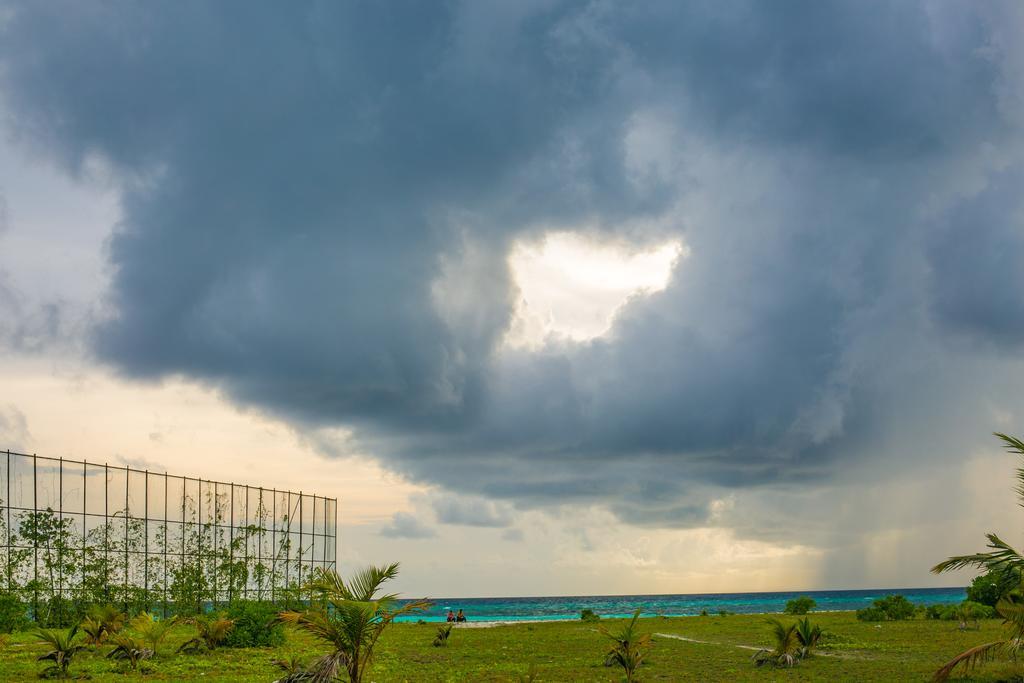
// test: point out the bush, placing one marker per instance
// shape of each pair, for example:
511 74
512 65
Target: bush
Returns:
801 605
13 613
938 611
967 611
889 608
988 588
256 625
589 616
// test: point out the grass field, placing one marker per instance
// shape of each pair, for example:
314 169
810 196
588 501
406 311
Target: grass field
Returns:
572 651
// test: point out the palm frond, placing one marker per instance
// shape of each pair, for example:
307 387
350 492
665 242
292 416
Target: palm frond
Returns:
1002 558
327 668
1016 446
328 583
366 582
968 659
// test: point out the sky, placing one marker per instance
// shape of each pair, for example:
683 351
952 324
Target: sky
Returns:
555 297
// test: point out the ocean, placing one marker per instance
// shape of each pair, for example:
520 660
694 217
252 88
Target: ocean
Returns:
569 607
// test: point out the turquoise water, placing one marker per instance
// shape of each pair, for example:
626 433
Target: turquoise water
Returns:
518 609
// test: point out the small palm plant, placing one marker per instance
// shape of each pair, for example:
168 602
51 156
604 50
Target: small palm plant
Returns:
786 649
294 669
350 617
94 632
109 617
152 631
441 639
629 648
210 634
129 649
101 622
1001 559
64 650
807 635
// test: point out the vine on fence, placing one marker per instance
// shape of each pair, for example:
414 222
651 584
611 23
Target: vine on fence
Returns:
58 564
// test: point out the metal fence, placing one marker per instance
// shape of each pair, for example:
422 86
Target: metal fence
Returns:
72 530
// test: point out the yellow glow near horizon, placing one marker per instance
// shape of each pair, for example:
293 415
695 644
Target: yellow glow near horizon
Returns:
85 413
571 284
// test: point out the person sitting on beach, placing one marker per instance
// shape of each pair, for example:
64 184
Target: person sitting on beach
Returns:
461 616
451 615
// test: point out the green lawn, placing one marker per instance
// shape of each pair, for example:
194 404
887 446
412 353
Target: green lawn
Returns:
573 651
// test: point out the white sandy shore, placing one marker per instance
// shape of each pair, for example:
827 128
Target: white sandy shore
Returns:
513 622
507 622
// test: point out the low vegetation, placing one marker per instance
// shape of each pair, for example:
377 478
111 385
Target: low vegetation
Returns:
443 633
848 650
801 605
129 649
350 617
889 608
255 624
211 632
152 631
629 647
62 650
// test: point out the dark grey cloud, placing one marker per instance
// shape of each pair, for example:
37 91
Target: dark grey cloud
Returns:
977 284
405 525
318 202
457 508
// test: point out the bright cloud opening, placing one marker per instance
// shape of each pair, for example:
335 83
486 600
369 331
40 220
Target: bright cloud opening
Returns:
570 285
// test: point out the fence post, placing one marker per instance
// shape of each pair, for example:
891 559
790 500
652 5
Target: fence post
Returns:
127 527
273 548
145 530
231 546
163 593
35 543
60 539
85 525
7 512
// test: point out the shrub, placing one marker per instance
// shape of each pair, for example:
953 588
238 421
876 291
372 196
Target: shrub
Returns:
130 650
889 608
937 611
58 612
152 631
102 622
13 613
801 605
589 616
441 639
211 632
965 613
64 649
256 625
988 588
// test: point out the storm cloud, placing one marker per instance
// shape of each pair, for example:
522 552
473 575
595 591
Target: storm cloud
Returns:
405 525
318 202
